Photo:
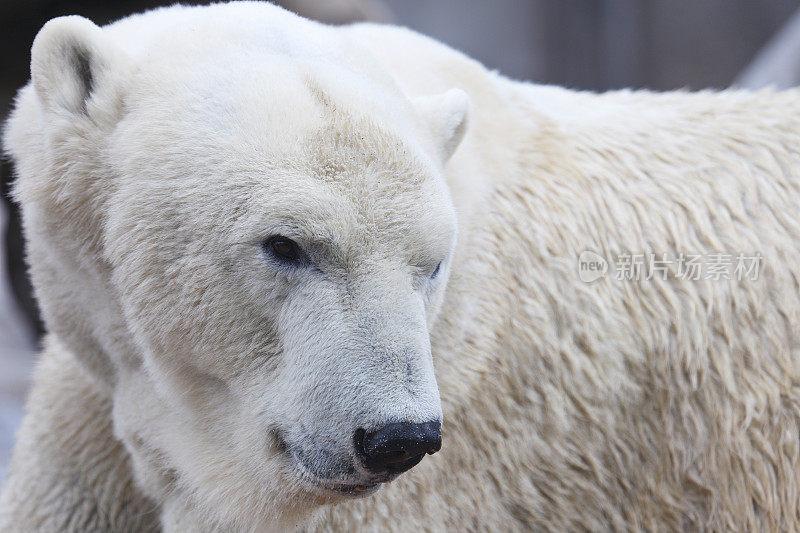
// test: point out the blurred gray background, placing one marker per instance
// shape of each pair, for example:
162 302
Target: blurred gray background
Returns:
584 44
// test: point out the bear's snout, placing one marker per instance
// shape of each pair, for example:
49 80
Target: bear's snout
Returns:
397 447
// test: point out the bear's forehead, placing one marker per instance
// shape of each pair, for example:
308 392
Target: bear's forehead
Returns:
347 132
282 134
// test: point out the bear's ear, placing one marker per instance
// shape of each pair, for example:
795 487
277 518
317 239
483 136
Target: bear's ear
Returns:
447 115
72 61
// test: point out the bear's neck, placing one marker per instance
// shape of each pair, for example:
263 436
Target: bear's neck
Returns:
69 472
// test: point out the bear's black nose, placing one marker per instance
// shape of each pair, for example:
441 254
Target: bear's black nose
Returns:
397 447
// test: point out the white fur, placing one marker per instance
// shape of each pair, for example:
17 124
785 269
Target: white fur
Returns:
192 381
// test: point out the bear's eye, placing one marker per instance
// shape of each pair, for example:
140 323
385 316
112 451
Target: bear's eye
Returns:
436 271
284 250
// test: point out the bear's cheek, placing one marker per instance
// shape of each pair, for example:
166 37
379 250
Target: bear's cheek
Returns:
196 315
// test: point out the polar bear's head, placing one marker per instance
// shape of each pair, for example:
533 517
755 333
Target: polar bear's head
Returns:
245 240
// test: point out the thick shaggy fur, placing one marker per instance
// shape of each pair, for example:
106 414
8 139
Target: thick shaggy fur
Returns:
651 404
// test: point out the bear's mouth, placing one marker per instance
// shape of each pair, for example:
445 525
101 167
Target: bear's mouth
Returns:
353 490
338 487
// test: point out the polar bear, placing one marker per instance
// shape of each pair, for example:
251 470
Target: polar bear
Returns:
282 263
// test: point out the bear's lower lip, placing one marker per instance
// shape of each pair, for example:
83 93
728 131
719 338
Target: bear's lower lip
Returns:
354 490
